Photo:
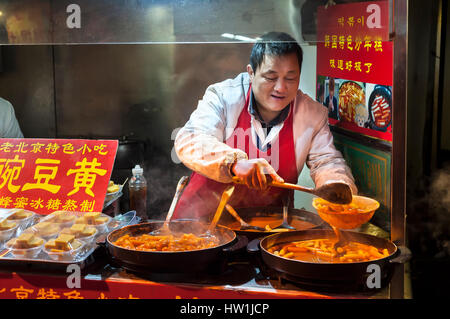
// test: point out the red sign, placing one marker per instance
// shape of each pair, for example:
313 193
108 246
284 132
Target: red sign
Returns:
45 175
359 20
355 67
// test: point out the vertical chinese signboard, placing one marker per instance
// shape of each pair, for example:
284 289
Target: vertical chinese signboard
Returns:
45 175
355 67
355 83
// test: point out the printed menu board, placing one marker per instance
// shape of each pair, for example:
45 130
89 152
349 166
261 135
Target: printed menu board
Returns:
355 67
46 175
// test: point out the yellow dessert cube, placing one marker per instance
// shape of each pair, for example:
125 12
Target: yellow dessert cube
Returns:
6 225
27 240
64 241
44 229
19 214
77 228
89 231
100 220
91 215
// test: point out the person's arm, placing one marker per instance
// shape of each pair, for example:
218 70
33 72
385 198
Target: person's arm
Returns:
325 162
200 143
200 146
9 127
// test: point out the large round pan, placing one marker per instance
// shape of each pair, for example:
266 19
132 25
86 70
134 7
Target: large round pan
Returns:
170 262
332 274
299 218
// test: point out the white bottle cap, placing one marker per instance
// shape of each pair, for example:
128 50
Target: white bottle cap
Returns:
137 170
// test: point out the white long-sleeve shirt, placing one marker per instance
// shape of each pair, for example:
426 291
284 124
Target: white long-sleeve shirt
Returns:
9 127
200 144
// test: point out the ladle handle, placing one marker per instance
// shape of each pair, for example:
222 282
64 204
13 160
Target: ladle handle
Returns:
223 201
234 214
281 185
292 186
181 184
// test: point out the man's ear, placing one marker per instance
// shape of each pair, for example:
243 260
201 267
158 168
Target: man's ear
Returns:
250 72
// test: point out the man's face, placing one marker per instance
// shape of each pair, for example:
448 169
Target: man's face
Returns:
275 82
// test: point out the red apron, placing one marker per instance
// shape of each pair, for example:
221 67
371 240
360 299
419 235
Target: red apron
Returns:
198 199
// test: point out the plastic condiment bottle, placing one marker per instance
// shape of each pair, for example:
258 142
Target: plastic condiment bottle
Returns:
138 192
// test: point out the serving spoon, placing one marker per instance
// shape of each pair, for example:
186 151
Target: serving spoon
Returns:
335 192
164 230
223 201
244 225
285 223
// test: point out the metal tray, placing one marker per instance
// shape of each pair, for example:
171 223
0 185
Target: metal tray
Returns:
44 262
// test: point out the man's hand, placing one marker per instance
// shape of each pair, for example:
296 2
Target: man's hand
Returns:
253 173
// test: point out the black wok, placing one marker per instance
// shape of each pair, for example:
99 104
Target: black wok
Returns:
299 218
172 262
330 275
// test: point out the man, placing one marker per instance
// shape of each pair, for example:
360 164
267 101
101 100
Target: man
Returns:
331 101
9 127
256 127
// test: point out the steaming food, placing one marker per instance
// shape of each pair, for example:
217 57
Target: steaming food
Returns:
323 251
347 216
328 207
167 243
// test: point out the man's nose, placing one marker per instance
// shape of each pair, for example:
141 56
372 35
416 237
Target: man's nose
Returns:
280 86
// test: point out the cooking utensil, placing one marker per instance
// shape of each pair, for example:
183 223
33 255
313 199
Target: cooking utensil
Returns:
335 192
167 261
342 240
270 216
223 201
165 227
329 276
348 219
285 224
244 225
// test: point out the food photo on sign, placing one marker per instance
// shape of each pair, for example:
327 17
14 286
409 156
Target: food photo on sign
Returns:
379 103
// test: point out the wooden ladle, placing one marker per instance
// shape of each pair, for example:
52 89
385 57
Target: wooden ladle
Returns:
335 192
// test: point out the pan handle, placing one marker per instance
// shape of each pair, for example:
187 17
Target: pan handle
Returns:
101 240
241 243
403 257
253 246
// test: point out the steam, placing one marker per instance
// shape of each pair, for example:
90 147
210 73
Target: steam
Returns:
439 203
428 220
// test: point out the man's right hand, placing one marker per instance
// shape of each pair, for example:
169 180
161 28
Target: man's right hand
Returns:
253 173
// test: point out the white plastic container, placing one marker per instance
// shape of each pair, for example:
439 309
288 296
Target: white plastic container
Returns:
24 252
8 233
65 255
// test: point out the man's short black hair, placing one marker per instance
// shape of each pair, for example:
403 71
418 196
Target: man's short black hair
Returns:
276 44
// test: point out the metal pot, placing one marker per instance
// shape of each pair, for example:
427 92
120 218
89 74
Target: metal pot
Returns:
298 216
173 262
330 275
